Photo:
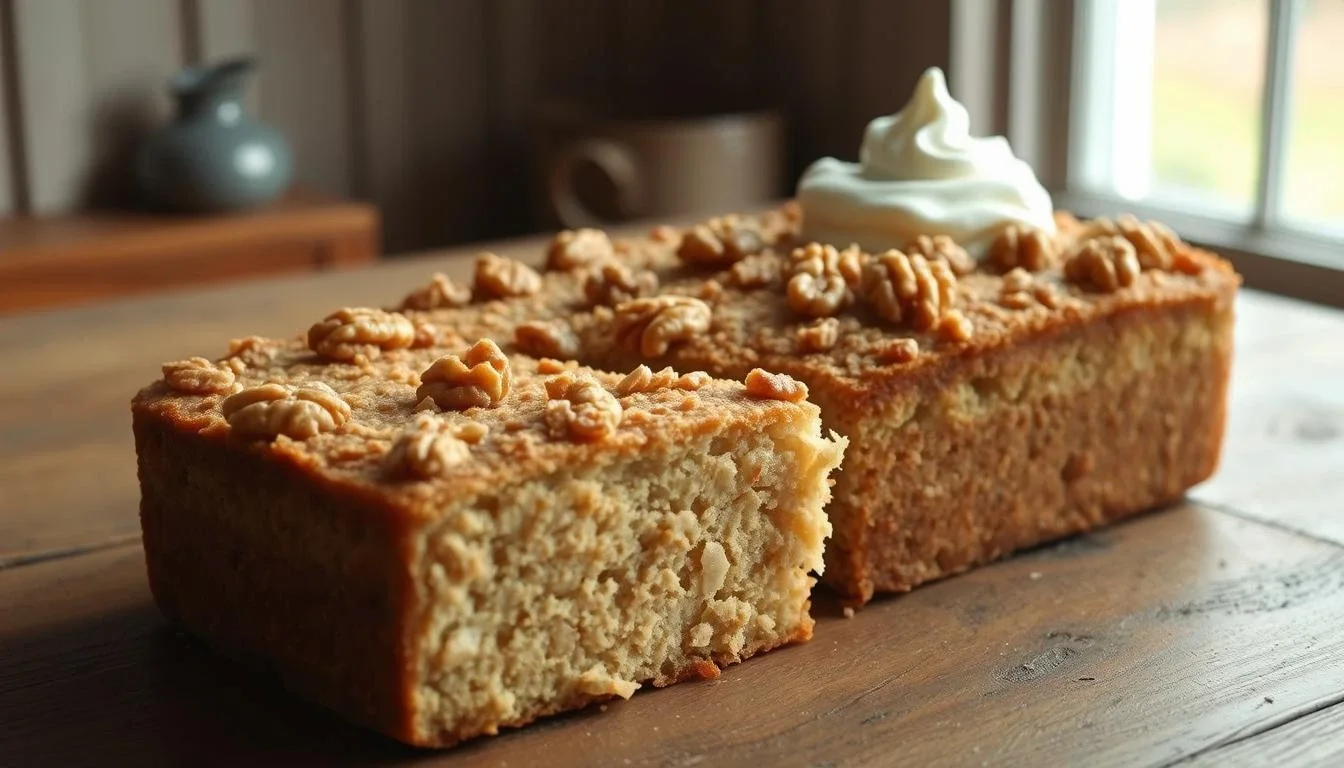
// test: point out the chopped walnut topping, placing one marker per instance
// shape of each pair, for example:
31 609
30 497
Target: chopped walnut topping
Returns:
1017 279
481 380
909 289
1154 244
1019 247
897 351
820 336
942 248
823 279
502 278
254 351
693 380
426 335
721 241
664 234
548 365
1017 299
955 327
440 292
1048 296
352 333
581 408
1106 264
430 447
298 412
643 379
198 376
710 291
653 324
775 386
575 248
755 271
611 283
542 339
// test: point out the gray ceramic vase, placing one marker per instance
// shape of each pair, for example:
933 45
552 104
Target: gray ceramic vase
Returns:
213 157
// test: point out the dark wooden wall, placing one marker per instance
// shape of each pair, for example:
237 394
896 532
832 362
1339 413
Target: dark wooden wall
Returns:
424 106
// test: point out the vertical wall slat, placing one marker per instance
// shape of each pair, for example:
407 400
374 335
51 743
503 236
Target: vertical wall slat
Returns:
9 150
305 87
388 173
224 29
513 36
895 43
449 132
130 47
56 103
578 50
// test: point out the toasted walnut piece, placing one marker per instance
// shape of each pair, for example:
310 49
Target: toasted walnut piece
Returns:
548 365
350 333
480 380
643 379
664 234
693 381
547 339
1048 296
1017 279
820 336
942 248
755 271
426 335
575 248
721 241
611 283
254 351
1154 244
897 351
1021 247
198 376
440 292
1104 264
1017 300
909 289
501 278
775 386
298 412
652 325
823 279
581 409
710 291
432 446
955 326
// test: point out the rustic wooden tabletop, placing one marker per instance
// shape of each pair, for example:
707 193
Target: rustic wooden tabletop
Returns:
1211 632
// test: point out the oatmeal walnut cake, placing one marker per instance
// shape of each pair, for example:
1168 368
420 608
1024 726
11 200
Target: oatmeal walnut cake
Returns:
549 486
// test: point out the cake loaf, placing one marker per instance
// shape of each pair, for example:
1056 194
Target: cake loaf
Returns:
441 545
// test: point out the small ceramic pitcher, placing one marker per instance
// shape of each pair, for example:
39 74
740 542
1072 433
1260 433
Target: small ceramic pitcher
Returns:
213 157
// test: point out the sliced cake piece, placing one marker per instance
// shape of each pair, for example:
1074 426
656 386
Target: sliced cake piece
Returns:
441 545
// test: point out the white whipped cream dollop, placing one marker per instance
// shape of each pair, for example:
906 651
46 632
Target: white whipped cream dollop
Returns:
920 172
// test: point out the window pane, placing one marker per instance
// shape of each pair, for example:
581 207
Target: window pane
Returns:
1208 73
1314 179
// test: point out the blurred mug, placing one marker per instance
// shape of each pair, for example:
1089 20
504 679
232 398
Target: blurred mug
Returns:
600 170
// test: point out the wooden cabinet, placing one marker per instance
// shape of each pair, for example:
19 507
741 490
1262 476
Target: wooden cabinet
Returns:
61 260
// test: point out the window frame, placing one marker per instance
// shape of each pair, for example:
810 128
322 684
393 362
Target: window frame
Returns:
1032 98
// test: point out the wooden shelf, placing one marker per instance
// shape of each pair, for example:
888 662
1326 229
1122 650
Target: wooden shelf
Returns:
56 260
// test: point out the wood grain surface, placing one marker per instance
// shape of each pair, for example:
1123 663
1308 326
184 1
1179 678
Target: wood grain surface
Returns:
1211 632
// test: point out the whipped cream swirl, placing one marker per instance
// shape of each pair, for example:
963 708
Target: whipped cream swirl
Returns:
920 172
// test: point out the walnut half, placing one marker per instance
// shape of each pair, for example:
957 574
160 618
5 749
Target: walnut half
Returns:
823 279
909 289
501 278
431 447
581 408
653 324
440 292
775 386
298 412
198 376
479 380
1107 264
352 333
575 248
721 241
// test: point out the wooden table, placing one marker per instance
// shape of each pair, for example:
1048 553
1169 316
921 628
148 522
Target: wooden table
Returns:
1211 632
47 261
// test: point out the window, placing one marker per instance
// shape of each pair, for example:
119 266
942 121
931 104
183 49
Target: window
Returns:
1224 118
